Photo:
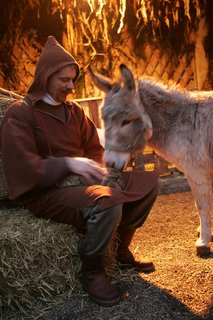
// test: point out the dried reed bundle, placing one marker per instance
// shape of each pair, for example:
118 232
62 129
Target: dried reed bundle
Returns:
9 94
6 98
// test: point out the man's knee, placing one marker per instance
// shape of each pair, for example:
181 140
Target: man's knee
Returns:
135 213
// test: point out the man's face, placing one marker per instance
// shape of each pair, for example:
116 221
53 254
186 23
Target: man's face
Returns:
60 84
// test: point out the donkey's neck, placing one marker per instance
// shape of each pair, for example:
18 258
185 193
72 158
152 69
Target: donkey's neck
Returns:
166 110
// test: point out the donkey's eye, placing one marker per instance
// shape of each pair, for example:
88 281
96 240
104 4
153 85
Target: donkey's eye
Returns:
125 122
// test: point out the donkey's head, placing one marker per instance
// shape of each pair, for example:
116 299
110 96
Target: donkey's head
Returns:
127 125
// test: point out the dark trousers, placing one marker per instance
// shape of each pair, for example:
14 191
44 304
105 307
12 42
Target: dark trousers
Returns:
101 225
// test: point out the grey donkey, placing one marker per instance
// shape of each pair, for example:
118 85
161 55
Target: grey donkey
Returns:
176 123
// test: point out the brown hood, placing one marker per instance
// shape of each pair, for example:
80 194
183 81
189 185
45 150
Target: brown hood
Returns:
53 58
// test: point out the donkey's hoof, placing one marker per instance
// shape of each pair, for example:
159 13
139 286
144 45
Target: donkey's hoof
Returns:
203 251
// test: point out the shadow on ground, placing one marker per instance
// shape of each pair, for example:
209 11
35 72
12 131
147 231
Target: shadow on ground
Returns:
141 300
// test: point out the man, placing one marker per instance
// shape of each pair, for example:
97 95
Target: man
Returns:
44 139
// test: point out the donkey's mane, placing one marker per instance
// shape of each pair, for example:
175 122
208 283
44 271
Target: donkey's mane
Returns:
175 91
151 87
164 103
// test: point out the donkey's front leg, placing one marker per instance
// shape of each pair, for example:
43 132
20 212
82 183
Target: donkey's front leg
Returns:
202 194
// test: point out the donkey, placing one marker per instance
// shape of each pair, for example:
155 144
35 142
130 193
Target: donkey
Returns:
176 123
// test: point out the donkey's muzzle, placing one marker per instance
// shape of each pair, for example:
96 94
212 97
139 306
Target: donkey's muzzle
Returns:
116 160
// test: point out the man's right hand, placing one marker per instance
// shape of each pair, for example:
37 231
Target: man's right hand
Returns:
87 168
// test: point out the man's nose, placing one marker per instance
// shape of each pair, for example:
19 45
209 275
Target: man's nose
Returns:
70 85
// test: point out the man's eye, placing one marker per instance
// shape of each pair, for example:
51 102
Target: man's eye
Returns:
125 122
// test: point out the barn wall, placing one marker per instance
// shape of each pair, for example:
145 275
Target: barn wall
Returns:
189 70
201 60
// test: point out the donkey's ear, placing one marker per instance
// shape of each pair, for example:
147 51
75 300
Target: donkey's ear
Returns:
100 81
127 77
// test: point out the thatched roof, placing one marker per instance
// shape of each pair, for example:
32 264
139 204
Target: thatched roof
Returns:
97 24
99 29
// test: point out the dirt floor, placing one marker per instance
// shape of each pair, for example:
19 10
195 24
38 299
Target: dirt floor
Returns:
181 288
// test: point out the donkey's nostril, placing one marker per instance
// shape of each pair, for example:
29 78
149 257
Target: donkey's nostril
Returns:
112 165
109 164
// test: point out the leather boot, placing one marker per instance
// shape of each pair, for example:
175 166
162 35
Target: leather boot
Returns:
125 256
95 282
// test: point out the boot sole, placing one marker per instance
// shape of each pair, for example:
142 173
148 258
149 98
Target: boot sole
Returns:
144 269
105 303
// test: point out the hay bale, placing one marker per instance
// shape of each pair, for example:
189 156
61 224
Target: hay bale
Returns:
38 258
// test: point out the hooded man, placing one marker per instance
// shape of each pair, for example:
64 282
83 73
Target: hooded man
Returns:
44 140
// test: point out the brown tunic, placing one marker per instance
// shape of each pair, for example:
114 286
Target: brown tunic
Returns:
35 141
